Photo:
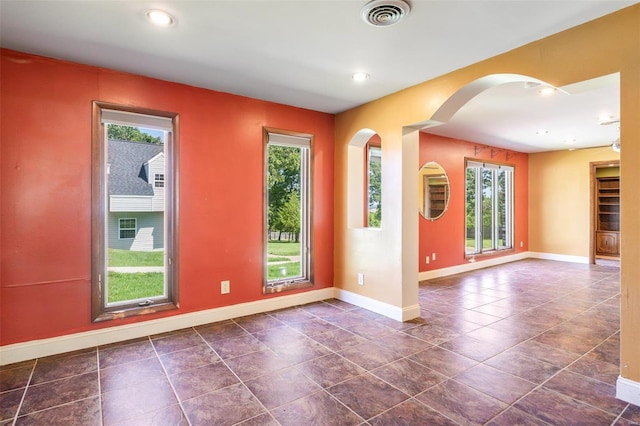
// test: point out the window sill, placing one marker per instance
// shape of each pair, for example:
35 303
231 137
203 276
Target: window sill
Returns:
488 254
289 285
134 311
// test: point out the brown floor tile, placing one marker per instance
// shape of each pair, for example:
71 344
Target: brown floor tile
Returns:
9 403
258 322
530 369
461 403
559 409
475 349
220 331
410 413
291 315
129 374
495 383
549 354
324 310
409 376
276 336
265 419
193 357
367 395
256 364
313 327
201 380
590 391
237 346
281 387
369 355
52 368
15 378
370 329
171 415
135 401
591 366
632 413
176 342
513 416
403 344
338 339
225 406
83 412
432 333
316 409
301 350
58 392
443 361
330 370
121 354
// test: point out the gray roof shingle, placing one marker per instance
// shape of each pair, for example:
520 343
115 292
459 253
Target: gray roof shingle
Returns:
127 174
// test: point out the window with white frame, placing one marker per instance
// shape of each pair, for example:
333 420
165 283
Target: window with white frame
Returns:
159 180
489 207
127 228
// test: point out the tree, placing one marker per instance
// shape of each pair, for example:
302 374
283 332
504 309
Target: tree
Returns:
288 215
283 182
129 133
375 193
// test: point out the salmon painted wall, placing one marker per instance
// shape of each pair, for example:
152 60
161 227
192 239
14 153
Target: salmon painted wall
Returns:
46 191
445 236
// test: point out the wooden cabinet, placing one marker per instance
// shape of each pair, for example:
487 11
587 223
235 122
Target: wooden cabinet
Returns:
608 216
437 197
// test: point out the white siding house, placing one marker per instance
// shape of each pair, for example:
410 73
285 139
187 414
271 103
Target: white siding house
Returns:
136 195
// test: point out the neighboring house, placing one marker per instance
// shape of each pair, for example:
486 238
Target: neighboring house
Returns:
136 195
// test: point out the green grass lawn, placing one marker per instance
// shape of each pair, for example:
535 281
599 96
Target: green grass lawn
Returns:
134 286
292 269
135 258
283 248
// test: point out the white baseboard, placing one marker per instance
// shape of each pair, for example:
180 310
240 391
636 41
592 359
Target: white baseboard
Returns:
471 266
44 347
628 391
382 308
558 257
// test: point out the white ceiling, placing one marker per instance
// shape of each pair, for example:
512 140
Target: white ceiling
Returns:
303 52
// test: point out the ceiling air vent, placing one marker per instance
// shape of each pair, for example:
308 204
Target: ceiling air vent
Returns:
384 13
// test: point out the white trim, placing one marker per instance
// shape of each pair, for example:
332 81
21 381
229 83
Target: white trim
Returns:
471 266
559 257
628 391
382 308
87 339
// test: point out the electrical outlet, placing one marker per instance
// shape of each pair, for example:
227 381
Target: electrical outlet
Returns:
433 257
521 243
360 278
427 260
225 287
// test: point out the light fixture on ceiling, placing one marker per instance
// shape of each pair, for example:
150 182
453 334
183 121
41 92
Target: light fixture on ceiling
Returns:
159 18
606 120
616 145
546 91
542 132
384 13
359 77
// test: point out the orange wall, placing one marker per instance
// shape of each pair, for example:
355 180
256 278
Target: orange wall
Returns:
46 191
445 236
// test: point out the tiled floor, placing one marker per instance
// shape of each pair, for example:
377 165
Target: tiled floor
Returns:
533 342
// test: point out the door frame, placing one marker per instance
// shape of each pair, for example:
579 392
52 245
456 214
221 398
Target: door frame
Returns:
593 188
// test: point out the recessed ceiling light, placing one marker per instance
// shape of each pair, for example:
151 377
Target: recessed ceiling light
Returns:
159 18
546 91
359 77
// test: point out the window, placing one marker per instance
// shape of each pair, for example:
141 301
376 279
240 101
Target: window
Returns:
489 207
287 211
127 228
133 225
374 185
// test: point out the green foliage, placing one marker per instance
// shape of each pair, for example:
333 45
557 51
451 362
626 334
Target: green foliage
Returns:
135 258
125 286
375 192
283 182
128 133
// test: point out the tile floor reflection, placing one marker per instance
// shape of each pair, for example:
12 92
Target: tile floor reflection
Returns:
532 342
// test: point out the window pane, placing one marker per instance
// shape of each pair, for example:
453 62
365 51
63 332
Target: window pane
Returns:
487 210
374 187
470 235
287 174
502 208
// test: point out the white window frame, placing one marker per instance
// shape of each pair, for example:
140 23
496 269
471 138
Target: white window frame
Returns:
494 168
158 180
120 228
